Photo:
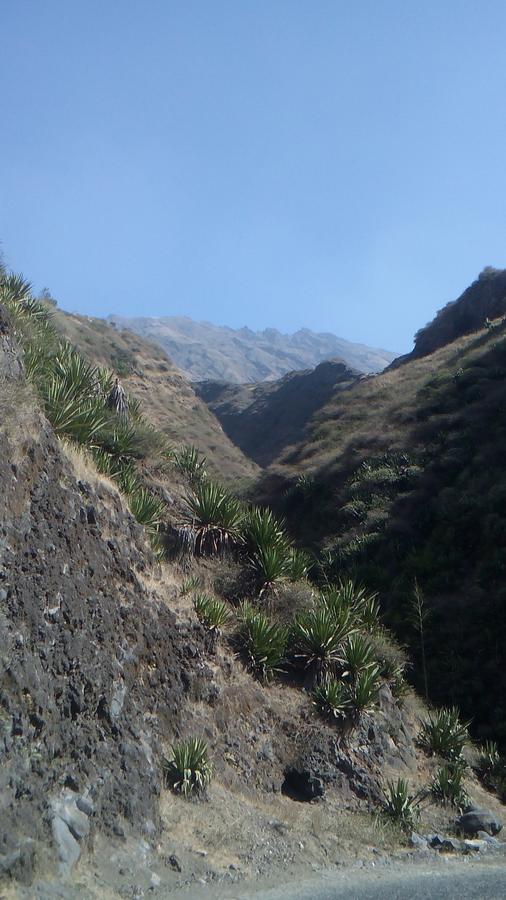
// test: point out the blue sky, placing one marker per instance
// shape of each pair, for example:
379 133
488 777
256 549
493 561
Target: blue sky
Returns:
286 163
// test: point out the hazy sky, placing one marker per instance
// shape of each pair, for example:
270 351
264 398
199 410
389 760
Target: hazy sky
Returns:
321 163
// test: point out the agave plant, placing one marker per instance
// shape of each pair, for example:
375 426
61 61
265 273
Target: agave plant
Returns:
330 697
189 770
214 517
301 564
271 565
263 641
399 804
358 655
490 761
188 461
443 734
72 415
363 691
447 785
318 638
262 530
148 509
213 614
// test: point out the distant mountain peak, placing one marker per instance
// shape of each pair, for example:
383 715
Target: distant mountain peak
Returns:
204 351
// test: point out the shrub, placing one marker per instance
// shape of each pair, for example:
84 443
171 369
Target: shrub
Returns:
330 697
490 760
189 585
189 770
262 530
399 805
271 565
443 734
213 614
263 641
358 655
188 461
447 785
363 692
318 638
300 564
214 516
148 509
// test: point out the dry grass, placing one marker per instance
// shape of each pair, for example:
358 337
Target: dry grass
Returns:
167 399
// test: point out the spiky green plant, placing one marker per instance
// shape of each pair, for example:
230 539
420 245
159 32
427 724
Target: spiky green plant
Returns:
447 785
271 565
443 734
318 637
188 461
147 508
214 517
399 804
358 655
80 418
212 613
331 698
189 770
362 693
263 530
189 585
490 759
301 564
263 641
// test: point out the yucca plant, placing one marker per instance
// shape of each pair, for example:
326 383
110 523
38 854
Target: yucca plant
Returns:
362 693
331 698
80 418
147 508
443 734
447 785
214 516
263 530
399 804
188 461
490 760
263 641
318 638
358 655
189 770
212 613
271 565
301 564
189 585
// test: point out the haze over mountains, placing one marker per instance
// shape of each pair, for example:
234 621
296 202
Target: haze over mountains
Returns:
205 351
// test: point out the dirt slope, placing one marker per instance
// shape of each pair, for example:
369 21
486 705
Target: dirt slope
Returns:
168 400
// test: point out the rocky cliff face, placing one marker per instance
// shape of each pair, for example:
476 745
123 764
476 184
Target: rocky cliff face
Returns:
484 299
263 419
93 669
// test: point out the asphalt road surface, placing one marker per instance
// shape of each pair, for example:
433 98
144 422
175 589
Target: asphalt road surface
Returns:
453 881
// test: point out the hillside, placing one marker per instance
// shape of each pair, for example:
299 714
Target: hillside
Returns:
167 399
404 483
130 682
204 351
485 298
262 419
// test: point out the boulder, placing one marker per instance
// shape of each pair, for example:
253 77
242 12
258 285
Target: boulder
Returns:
475 820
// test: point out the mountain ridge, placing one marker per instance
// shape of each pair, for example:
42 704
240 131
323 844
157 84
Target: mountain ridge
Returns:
205 351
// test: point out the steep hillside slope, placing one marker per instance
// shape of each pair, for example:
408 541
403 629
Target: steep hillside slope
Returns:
484 299
263 419
167 399
204 351
405 482
104 666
